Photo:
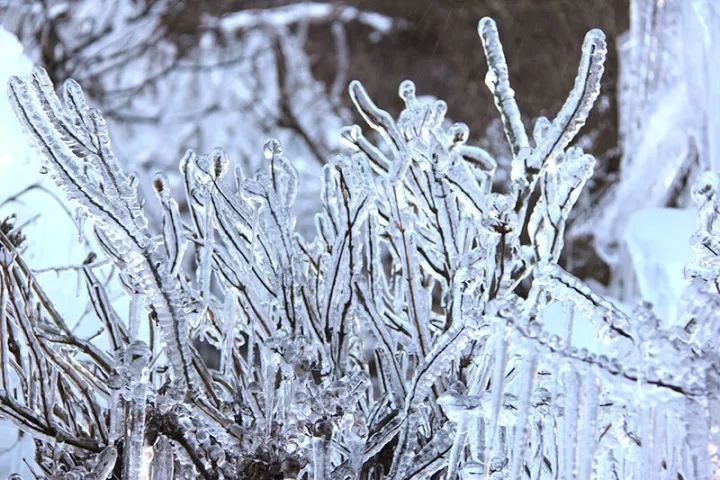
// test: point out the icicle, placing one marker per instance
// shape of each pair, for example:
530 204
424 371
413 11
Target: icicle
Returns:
229 314
163 462
105 463
587 427
470 424
4 334
117 412
498 387
569 438
136 357
137 305
527 379
320 453
455 404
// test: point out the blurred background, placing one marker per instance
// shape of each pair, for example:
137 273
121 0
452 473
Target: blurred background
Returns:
230 73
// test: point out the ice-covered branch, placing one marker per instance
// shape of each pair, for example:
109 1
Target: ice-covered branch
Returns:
312 12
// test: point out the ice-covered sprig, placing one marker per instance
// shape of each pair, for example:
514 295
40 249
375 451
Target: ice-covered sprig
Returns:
74 141
560 187
498 81
529 161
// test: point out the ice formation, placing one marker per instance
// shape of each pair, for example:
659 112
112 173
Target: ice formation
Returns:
668 120
232 81
408 339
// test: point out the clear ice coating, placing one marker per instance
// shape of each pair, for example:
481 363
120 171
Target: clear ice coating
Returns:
396 343
668 120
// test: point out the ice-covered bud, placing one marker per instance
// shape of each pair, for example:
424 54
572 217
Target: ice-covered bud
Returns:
161 185
542 127
554 342
477 157
500 202
202 436
217 455
272 149
350 135
73 92
497 464
453 402
220 163
459 133
646 322
534 329
133 181
472 471
541 396
578 168
407 92
705 188
185 422
323 429
502 216
439 110
116 381
614 366
105 463
137 355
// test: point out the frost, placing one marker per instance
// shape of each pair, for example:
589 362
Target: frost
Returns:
304 11
410 337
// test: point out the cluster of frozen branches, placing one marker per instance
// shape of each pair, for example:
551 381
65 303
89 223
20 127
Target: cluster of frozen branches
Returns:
172 75
426 331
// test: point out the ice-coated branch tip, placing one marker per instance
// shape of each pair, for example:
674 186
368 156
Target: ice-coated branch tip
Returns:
498 82
375 117
576 109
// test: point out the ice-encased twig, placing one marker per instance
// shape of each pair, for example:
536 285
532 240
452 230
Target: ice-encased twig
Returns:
575 110
498 82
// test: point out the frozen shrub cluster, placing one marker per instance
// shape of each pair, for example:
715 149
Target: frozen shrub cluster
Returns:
426 331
